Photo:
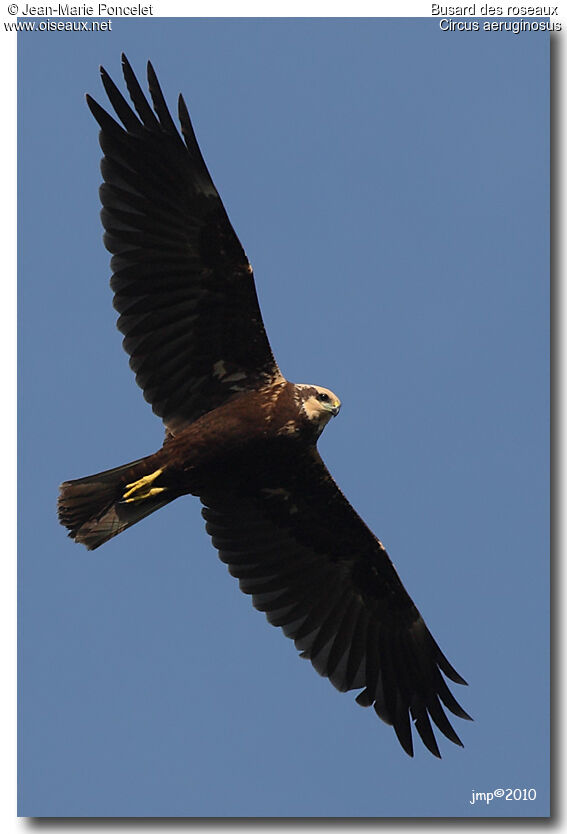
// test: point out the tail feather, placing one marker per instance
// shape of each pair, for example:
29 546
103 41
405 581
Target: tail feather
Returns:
94 510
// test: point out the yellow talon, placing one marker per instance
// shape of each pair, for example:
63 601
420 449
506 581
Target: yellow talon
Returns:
138 490
143 495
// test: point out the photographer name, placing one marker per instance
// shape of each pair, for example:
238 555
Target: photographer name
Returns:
100 10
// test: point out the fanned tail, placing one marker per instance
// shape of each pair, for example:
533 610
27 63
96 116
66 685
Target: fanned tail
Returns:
97 508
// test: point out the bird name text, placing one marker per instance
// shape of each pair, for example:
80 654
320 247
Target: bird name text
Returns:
485 10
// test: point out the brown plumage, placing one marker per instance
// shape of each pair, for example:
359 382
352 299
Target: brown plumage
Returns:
239 435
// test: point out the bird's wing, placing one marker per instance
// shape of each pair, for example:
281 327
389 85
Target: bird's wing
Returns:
182 283
309 561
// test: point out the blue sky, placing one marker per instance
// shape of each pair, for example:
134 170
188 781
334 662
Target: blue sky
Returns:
389 183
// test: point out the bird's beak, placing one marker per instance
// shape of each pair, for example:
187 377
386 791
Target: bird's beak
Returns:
334 408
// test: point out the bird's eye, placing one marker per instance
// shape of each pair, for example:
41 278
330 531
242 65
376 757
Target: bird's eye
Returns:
324 398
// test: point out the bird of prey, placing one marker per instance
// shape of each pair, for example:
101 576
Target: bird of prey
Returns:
237 434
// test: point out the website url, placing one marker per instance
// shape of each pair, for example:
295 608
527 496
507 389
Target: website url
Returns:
58 26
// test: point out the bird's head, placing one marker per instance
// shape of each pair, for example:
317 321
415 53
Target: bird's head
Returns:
317 405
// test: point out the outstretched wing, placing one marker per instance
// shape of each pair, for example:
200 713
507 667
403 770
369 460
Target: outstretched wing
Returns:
182 283
309 561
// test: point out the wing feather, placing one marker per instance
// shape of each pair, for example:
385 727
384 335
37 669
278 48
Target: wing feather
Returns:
309 562
346 622
182 283
139 100
354 673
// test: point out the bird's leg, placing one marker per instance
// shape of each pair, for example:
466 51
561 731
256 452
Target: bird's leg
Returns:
141 489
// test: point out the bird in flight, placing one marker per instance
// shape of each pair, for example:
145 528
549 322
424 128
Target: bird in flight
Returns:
237 434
